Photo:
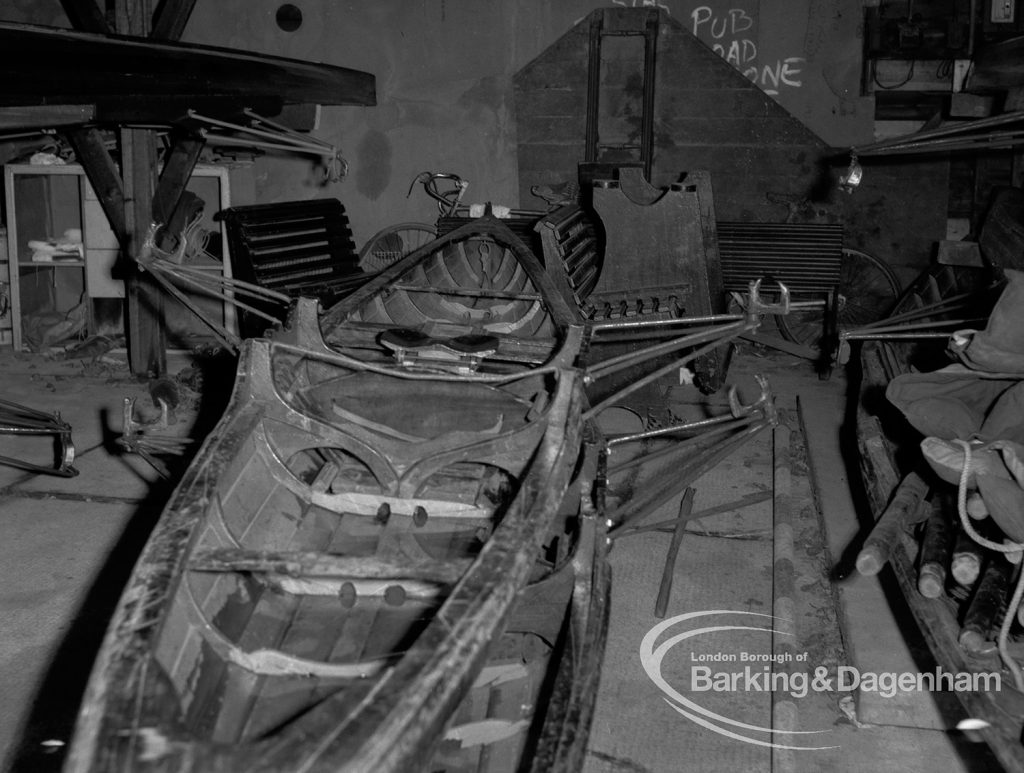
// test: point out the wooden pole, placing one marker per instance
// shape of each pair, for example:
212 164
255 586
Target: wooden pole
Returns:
904 508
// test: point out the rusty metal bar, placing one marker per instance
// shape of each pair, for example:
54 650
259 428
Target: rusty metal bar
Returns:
915 139
671 430
654 376
681 445
656 497
667 573
615 364
668 525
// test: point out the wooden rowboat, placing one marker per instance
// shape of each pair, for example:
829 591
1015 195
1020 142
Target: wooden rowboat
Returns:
480 281
369 565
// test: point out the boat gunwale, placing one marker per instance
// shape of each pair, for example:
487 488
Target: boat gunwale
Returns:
137 621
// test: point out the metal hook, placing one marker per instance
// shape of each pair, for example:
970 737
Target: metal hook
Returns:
765 403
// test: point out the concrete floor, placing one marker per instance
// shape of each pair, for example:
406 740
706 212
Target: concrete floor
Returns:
68 546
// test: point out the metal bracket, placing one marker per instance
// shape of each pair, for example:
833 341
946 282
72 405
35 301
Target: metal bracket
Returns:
765 403
16 419
756 307
135 439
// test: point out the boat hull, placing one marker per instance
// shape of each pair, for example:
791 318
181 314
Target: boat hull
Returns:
334 587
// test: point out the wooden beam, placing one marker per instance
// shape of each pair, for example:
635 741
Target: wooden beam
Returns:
86 16
178 165
105 178
147 340
170 19
112 70
144 300
39 116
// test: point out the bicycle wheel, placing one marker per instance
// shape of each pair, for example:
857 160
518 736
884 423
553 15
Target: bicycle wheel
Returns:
868 290
393 243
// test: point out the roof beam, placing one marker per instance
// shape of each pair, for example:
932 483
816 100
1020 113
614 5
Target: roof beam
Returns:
34 116
170 18
86 16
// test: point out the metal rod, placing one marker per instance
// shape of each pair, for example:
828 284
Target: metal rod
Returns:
310 143
901 328
728 507
224 295
668 572
639 384
228 339
912 315
687 427
679 481
282 128
614 364
205 289
220 139
682 445
891 336
983 123
234 283
597 327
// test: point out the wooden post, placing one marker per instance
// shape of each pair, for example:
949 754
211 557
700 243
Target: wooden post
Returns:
144 302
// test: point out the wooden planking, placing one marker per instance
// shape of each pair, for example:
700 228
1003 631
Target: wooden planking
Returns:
284 611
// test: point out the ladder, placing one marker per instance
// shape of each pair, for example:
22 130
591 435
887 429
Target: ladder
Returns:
602 156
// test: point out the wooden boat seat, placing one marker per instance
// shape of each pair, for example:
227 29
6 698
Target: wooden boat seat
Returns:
509 348
461 353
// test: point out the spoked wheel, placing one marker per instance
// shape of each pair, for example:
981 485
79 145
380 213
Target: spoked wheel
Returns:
393 243
868 290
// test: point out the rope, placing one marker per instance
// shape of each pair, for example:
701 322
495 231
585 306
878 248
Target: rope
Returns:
1013 547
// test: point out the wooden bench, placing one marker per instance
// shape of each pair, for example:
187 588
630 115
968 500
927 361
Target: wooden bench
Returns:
299 248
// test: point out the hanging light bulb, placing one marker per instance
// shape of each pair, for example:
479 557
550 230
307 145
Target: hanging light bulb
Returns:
852 177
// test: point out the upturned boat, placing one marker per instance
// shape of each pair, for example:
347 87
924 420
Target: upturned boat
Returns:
387 556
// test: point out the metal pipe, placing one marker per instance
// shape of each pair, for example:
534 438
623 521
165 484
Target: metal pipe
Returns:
215 293
982 123
921 313
220 139
680 445
683 478
614 364
930 324
597 327
639 384
891 336
728 507
307 143
689 426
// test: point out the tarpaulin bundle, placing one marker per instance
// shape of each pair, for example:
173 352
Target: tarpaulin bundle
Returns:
979 400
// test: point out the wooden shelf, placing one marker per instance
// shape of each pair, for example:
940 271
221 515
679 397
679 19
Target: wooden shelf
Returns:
79 208
52 263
